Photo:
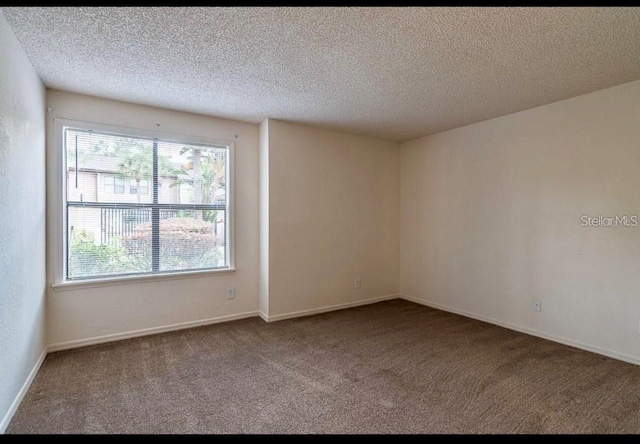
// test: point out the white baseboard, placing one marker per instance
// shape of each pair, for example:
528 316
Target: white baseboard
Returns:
23 391
570 342
147 331
312 311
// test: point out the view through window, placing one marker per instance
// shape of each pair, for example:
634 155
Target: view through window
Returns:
142 206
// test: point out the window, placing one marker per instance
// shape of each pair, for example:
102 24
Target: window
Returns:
175 216
144 186
113 185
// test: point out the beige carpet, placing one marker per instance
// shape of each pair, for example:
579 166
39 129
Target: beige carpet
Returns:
391 367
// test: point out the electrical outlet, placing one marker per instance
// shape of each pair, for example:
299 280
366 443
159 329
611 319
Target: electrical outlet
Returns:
537 305
231 293
357 283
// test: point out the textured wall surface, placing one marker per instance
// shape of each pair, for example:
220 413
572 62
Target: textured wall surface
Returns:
81 314
333 216
394 73
22 218
491 219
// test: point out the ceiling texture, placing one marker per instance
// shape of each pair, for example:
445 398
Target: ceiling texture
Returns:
392 73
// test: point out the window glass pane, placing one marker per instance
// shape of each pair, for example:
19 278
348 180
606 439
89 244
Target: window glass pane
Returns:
98 165
109 182
192 239
191 174
138 235
118 187
108 241
134 185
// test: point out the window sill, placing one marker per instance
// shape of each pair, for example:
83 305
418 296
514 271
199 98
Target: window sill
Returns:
127 280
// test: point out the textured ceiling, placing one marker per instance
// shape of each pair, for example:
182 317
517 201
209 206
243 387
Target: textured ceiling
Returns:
394 73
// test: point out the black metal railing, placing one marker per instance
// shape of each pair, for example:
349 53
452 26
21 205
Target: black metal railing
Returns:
119 222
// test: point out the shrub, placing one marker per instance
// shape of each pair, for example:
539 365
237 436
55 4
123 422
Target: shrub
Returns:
185 243
86 258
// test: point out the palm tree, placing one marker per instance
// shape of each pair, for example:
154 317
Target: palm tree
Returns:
205 172
137 162
137 166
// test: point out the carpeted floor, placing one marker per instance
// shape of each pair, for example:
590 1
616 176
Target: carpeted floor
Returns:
391 367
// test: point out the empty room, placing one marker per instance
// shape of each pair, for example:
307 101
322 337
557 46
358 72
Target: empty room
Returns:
319 220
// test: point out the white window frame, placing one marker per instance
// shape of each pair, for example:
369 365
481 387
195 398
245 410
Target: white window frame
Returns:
59 199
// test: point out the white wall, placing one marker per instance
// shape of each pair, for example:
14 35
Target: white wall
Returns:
333 216
491 216
22 221
77 315
264 217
